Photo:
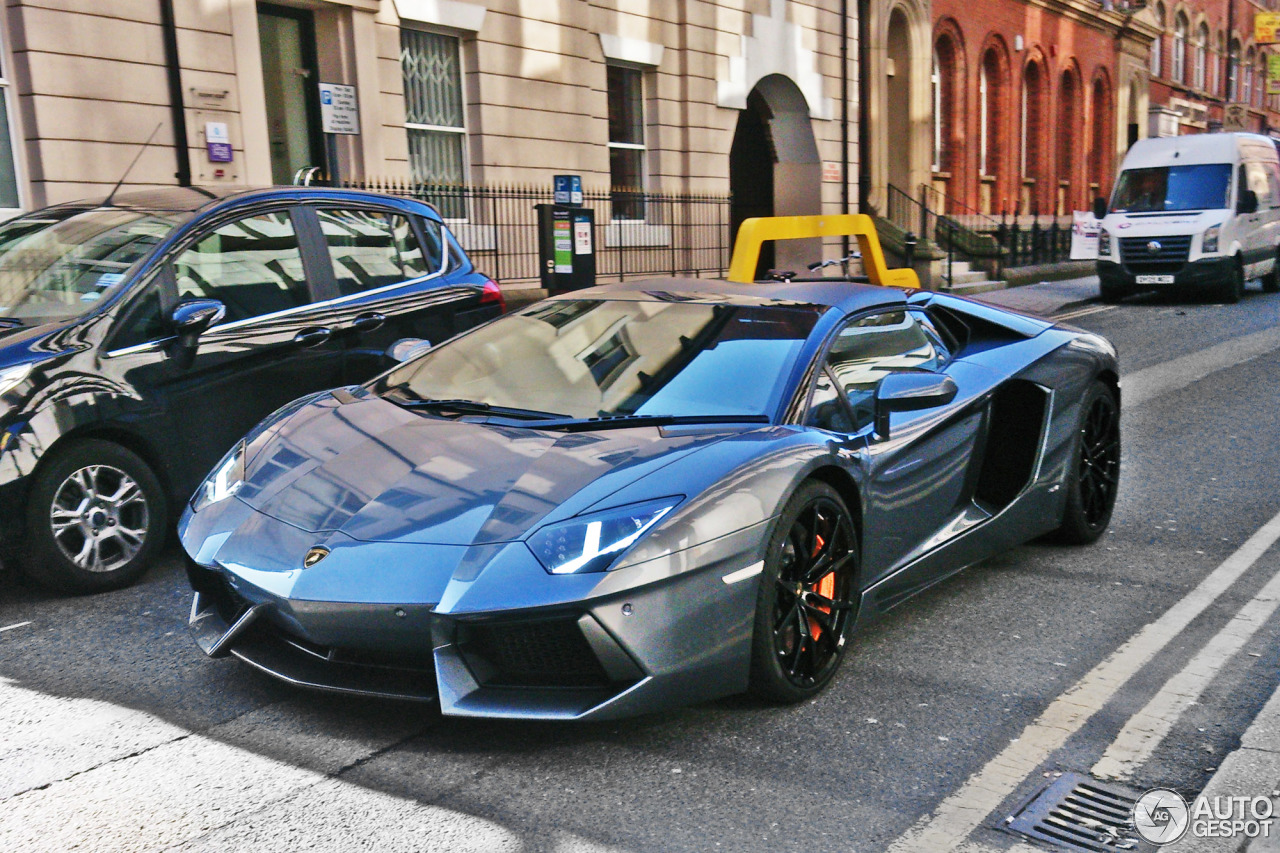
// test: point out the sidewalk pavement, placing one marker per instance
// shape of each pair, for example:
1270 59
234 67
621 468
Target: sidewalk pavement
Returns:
1046 297
1253 770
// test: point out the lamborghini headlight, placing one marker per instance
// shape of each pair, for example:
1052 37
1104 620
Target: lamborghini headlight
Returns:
1209 242
592 543
224 482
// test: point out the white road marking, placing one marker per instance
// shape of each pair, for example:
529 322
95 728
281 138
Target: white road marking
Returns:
962 812
1151 382
1140 736
15 625
1083 312
742 574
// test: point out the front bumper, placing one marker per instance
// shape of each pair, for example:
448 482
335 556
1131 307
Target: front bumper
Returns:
1201 273
492 635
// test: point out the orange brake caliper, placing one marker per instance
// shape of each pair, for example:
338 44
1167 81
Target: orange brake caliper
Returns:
825 587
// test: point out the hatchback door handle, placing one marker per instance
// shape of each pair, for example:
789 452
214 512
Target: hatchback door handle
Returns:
367 322
313 337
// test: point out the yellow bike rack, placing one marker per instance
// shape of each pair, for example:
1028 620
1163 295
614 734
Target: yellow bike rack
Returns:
753 232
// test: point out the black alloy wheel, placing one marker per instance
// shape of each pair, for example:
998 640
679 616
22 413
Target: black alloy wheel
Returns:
808 597
1095 475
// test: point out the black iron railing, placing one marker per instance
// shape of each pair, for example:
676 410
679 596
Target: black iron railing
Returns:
497 225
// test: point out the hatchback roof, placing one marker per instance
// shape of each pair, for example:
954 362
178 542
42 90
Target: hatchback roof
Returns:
192 199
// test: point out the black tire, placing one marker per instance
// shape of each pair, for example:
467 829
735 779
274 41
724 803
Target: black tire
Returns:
803 621
1231 290
1271 281
1094 476
1110 292
95 520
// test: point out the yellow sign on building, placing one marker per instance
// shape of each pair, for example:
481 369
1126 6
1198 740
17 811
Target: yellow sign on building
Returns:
1266 27
1273 74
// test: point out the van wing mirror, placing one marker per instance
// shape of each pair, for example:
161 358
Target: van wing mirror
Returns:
1248 202
1099 208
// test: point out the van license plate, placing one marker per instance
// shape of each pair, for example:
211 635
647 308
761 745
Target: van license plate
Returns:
1155 279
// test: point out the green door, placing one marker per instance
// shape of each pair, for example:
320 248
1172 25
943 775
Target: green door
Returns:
291 84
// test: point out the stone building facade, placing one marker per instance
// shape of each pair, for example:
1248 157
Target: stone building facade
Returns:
754 98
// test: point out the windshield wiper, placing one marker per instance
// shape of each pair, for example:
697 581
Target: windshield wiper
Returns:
11 322
624 421
409 399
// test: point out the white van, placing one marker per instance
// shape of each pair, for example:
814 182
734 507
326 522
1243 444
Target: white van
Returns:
1197 211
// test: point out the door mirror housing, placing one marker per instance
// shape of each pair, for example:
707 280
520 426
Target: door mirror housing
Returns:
1248 202
193 318
1099 208
910 392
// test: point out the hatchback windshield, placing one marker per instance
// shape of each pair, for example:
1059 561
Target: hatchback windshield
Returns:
1165 188
56 263
590 358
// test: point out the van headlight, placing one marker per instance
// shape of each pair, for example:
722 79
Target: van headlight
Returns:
224 482
592 543
1104 241
1209 242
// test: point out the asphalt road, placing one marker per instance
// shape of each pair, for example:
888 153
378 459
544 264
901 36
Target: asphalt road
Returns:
117 734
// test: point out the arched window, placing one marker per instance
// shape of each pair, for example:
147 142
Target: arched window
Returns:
990 94
1099 156
1067 132
1202 49
1180 48
944 104
1156 66
1233 70
1219 51
1034 96
1247 93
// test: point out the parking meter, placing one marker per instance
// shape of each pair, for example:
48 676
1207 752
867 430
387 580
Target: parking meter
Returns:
566 247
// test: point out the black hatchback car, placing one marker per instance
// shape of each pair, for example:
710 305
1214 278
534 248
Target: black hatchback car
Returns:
142 336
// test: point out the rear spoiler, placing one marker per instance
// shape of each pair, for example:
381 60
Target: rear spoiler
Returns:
753 232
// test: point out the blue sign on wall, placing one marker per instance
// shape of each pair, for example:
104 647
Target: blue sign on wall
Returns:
568 189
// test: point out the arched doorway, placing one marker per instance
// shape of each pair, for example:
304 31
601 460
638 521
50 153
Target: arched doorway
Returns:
898 114
774 168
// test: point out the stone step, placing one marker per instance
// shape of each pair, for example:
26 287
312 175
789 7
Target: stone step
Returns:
971 287
963 277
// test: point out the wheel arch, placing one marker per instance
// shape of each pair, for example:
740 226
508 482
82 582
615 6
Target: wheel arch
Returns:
116 434
844 484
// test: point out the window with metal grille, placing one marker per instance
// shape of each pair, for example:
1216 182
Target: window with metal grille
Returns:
626 141
10 198
434 111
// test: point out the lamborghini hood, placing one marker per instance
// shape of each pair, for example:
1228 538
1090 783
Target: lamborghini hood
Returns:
378 472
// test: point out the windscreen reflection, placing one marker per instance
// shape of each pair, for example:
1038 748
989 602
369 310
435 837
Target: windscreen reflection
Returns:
589 358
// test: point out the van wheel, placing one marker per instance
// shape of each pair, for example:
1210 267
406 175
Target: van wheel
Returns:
96 518
1271 281
1231 290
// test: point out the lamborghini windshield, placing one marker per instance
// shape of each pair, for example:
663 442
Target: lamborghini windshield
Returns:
56 263
596 358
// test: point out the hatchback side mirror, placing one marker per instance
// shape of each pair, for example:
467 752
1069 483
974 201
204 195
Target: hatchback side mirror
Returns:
1248 202
193 318
910 392
1099 208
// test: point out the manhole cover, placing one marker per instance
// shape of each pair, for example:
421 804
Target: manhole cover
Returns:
1077 812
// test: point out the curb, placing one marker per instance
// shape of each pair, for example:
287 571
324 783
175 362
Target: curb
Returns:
1251 770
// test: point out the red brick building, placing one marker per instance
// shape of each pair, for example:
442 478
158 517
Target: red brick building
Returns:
1034 102
1196 67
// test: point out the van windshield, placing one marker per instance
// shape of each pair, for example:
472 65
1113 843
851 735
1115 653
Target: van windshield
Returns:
1166 188
56 263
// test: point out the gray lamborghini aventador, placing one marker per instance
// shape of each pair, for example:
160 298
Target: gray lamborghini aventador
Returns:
647 494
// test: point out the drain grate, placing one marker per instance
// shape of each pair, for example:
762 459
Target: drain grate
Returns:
1077 812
